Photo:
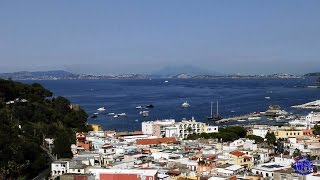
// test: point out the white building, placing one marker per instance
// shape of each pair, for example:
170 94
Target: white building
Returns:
60 167
313 117
186 127
156 128
267 170
260 132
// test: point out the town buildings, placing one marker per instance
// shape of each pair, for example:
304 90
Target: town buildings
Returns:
161 151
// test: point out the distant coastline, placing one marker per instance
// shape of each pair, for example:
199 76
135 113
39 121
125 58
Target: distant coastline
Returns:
64 75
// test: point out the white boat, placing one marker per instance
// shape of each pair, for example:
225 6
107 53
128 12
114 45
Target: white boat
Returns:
122 114
136 120
115 116
166 81
138 107
111 114
267 97
241 120
254 118
144 113
185 105
101 109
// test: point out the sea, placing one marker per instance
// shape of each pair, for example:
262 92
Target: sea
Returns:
235 96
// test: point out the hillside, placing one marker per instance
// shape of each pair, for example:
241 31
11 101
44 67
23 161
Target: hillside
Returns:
29 114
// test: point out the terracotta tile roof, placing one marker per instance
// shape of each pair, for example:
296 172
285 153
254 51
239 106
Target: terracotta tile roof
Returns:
156 141
237 153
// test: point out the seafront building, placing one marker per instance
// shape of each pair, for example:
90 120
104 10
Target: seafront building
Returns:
171 128
161 152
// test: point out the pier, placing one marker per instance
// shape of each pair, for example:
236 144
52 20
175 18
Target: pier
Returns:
238 118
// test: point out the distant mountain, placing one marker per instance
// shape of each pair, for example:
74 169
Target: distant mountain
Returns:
313 74
60 74
22 75
187 69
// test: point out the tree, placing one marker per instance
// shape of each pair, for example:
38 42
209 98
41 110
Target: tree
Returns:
24 125
271 138
60 145
316 129
257 139
296 152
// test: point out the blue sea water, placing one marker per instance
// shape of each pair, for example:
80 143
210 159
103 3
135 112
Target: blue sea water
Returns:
235 96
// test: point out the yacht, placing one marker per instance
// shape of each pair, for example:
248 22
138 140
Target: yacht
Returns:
138 107
150 106
144 113
111 114
254 118
241 120
122 114
166 81
185 105
267 97
217 116
101 109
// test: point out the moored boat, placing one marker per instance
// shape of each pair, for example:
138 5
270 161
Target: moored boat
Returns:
122 114
185 104
217 116
150 106
101 109
144 113
111 114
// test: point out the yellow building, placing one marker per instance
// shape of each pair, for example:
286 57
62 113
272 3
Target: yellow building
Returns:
95 127
288 133
241 159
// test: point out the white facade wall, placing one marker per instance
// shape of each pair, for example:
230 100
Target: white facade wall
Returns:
147 127
59 167
250 145
171 132
76 171
185 126
211 129
260 132
108 151
313 117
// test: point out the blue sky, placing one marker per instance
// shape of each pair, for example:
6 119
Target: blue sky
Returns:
142 36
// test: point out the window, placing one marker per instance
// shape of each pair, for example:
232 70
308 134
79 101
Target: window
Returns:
294 133
267 174
78 170
287 134
257 172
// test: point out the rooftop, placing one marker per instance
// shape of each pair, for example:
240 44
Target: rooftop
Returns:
156 141
237 153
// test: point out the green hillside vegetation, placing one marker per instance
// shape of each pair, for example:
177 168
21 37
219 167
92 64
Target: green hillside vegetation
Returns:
24 125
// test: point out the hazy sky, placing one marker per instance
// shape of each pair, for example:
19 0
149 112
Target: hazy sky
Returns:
142 36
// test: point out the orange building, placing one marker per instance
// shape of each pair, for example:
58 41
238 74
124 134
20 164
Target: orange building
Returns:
82 142
307 132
